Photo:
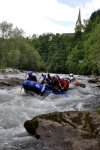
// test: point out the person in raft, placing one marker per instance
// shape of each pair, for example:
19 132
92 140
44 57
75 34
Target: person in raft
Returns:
73 79
64 84
58 83
54 82
32 77
45 79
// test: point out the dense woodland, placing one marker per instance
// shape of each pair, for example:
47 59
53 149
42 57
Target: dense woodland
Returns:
77 53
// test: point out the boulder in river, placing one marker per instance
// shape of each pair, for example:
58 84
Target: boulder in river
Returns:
66 130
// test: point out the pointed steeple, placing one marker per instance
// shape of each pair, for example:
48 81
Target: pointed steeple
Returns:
78 22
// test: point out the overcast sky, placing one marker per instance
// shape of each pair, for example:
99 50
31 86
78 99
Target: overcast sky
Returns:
46 16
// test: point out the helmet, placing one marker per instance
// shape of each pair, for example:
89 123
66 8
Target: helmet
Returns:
71 75
61 77
30 73
71 78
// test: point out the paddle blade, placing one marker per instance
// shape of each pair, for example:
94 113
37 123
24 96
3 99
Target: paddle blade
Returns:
20 91
43 88
79 84
66 95
82 85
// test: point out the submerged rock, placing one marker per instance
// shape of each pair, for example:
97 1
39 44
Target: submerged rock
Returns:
66 130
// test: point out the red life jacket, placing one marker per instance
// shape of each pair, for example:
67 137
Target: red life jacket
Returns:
64 84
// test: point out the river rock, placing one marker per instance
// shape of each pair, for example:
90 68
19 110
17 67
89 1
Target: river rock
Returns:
8 83
66 130
94 80
9 71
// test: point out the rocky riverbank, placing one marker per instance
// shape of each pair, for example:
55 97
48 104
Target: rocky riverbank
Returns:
66 130
10 82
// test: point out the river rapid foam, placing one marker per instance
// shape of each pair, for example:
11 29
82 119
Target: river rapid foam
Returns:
16 108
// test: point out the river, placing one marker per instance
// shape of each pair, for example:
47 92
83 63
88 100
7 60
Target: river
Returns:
16 108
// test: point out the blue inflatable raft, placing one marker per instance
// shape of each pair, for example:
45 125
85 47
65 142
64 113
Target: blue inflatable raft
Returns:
40 89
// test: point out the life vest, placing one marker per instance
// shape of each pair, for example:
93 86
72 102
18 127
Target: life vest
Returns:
54 83
32 78
64 84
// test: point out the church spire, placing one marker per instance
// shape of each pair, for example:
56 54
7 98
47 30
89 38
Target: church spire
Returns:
78 22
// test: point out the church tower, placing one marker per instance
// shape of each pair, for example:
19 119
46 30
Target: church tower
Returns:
78 22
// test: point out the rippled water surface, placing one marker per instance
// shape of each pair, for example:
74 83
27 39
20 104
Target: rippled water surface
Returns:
16 108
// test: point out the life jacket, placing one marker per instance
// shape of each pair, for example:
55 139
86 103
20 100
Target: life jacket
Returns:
54 83
45 80
64 84
32 78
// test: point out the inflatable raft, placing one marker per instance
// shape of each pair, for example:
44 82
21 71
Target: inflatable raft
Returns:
40 89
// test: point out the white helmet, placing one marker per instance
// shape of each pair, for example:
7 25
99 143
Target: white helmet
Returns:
71 75
71 78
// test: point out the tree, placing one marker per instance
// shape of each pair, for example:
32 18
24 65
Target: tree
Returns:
17 33
13 58
92 51
6 29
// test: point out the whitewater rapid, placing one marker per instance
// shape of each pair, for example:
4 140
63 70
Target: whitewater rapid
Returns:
16 108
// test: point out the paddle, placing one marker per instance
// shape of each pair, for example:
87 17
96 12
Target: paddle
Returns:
39 78
82 85
20 91
65 94
43 88
79 84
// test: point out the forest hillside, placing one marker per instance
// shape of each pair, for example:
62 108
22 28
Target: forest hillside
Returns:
78 53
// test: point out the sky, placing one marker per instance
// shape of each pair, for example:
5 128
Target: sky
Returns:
46 16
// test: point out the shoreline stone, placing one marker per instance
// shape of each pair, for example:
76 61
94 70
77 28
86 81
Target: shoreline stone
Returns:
9 83
66 130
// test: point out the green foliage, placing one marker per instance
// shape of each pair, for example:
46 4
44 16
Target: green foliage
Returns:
78 53
18 53
98 110
54 50
92 51
94 15
13 58
3 63
92 22
7 31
